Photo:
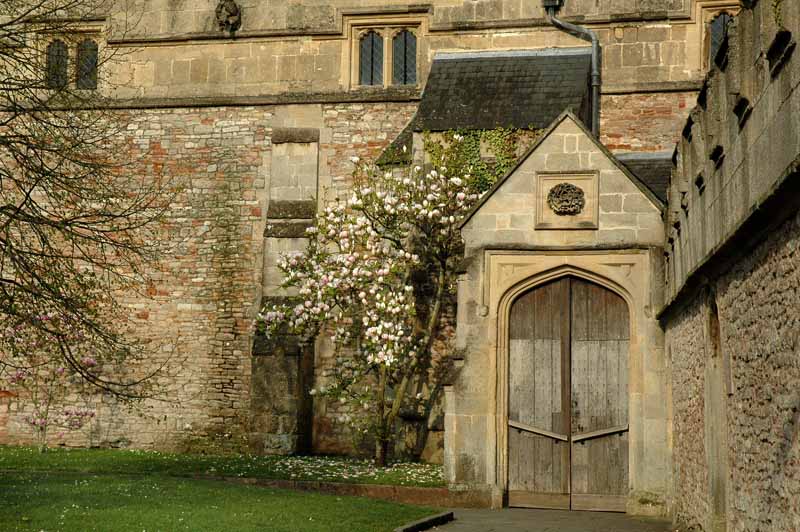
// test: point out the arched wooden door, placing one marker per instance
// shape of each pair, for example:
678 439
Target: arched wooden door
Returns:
568 398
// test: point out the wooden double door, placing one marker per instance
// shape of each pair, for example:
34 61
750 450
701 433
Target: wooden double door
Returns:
568 398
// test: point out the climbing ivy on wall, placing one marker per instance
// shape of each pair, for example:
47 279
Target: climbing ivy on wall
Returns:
484 155
777 11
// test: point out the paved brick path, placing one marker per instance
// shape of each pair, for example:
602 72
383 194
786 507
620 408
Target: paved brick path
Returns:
516 520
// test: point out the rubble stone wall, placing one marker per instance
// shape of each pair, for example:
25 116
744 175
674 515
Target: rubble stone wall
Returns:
731 317
197 315
760 325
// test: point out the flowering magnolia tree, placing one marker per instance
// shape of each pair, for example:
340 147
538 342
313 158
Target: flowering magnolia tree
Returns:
375 276
53 387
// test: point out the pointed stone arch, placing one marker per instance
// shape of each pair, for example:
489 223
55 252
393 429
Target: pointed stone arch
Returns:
504 312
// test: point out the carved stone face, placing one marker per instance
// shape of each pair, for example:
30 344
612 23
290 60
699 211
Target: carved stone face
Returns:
566 199
229 15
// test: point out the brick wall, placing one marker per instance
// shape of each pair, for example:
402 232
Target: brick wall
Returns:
360 130
646 122
6 399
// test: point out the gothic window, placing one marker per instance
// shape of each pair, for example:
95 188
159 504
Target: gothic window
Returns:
371 59
404 58
718 32
86 65
57 59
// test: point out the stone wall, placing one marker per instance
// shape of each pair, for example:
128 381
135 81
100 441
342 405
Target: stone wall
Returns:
758 305
760 322
168 17
178 54
198 313
686 354
740 143
733 282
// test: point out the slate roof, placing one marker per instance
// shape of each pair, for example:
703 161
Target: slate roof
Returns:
653 169
520 88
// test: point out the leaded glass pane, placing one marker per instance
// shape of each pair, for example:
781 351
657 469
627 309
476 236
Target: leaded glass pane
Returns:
398 59
86 64
377 59
371 59
404 58
411 58
719 32
57 58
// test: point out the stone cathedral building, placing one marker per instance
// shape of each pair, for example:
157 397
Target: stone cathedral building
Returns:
629 305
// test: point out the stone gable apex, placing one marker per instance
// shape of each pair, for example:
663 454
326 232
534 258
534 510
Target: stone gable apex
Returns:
566 192
567 115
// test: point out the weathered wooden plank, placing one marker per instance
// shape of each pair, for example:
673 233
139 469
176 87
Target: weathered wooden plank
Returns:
599 502
580 469
623 467
554 501
517 349
546 336
599 433
611 349
535 430
522 447
521 353
531 378
600 349
564 375
623 348
520 328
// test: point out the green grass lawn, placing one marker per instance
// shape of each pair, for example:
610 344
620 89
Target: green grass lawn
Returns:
80 502
124 462
117 461
121 490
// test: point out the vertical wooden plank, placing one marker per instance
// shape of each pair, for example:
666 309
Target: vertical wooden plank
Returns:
521 446
534 396
602 417
565 374
599 342
580 452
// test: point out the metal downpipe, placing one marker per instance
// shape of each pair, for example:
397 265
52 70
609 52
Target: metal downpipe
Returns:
587 35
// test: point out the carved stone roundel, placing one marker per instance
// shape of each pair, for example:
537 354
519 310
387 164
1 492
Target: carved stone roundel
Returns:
566 199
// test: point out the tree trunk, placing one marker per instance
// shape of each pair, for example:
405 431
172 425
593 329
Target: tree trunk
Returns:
381 449
42 437
420 441
425 426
